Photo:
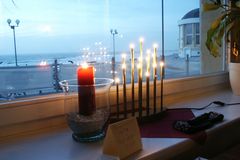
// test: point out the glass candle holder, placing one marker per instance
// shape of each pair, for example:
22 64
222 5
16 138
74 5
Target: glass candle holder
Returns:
87 108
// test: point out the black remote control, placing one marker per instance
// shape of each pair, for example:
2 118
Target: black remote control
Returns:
198 123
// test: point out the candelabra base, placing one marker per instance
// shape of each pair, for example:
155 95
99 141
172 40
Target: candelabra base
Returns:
144 119
152 117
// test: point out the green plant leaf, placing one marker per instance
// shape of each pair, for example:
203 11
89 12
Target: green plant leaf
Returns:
209 41
225 26
216 23
238 4
210 6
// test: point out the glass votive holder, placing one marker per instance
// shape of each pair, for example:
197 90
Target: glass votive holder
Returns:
87 108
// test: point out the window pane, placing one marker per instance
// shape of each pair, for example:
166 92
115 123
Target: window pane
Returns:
188 29
197 28
72 32
197 39
188 40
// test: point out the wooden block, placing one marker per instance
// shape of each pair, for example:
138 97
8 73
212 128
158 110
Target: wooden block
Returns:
123 138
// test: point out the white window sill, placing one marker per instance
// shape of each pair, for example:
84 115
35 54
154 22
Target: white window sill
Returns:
36 108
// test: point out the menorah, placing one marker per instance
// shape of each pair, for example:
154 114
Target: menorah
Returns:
143 111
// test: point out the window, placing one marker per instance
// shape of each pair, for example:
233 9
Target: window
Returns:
54 37
188 34
197 33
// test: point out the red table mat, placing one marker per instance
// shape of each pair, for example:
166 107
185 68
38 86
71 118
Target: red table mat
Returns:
163 128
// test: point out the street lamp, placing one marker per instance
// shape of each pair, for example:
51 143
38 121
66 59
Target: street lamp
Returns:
14 37
113 32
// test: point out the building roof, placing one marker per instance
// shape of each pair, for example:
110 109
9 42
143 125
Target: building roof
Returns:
192 14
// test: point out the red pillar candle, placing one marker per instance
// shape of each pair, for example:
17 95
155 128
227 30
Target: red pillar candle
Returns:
86 90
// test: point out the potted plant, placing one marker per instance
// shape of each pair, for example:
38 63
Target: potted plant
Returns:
227 24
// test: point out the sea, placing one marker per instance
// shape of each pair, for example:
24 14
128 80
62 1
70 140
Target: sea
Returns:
66 58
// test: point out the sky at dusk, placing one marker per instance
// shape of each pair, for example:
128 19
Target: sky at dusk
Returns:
60 26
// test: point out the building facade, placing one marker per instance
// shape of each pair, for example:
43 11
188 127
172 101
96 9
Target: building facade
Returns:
189 34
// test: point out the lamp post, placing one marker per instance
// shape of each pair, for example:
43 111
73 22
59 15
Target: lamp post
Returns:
14 36
113 33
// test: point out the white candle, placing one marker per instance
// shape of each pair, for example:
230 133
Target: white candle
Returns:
124 84
132 77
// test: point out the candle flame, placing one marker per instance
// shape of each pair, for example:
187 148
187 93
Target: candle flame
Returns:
155 45
154 65
84 65
148 51
147 74
123 55
117 80
147 58
161 64
141 39
139 65
123 66
140 60
131 46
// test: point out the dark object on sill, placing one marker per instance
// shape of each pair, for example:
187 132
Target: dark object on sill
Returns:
198 123
144 119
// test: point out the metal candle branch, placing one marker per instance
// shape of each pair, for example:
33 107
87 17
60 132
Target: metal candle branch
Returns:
124 84
155 78
145 110
132 77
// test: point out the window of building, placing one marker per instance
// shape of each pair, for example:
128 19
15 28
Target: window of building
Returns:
197 33
188 34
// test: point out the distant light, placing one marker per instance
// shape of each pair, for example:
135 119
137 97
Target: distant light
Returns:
43 63
121 35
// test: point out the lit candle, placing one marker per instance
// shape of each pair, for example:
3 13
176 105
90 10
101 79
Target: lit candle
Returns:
124 84
132 78
161 74
86 90
155 78
141 56
117 80
147 91
141 48
148 60
139 90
